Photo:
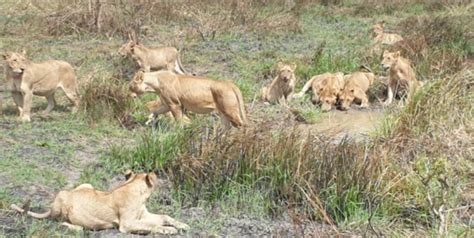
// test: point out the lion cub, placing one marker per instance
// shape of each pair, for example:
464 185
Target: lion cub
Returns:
153 58
123 207
402 78
282 86
42 79
326 88
380 37
355 89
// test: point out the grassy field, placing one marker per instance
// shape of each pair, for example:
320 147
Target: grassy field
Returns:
403 170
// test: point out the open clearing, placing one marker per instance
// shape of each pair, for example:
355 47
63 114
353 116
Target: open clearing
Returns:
403 170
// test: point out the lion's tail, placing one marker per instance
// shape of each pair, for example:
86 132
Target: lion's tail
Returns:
179 65
305 88
240 99
30 213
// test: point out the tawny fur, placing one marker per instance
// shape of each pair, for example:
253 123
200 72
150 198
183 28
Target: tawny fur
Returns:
402 80
355 88
282 87
380 37
196 94
123 207
326 88
153 58
26 79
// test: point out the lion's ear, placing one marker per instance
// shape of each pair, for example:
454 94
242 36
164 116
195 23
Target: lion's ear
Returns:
149 180
128 174
279 65
6 55
293 67
397 54
23 52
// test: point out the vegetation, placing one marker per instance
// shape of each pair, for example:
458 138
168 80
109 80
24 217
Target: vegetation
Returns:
412 175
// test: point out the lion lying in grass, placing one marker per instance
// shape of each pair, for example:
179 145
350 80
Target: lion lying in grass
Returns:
355 88
153 58
326 88
402 80
196 94
282 87
379 36
123 207
42 79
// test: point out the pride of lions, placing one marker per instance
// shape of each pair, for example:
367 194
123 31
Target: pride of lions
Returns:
161 72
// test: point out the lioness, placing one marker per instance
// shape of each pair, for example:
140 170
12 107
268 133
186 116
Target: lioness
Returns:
326 88
124 206
42 79
153 58
380 37
196 94
402 78
283 86
355 88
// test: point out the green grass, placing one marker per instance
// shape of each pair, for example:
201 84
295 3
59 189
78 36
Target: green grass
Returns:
386 178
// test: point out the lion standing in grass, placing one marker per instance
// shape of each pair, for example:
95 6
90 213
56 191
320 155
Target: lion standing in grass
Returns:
42 79
153 58
196 94
282 87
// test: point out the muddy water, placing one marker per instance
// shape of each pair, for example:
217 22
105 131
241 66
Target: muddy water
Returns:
354 123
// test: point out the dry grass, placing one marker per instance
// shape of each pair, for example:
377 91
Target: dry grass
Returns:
201 18
106 97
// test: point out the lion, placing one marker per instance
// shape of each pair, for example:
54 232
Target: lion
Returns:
326 88
123 207
282 87
42 79
401 79
196 94
355 89
153 58
380 37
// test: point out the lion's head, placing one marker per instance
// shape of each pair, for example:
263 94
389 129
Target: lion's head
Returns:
16 62
389 58
127 48
142 183
328 91
137 86
377 29
346 97
286 72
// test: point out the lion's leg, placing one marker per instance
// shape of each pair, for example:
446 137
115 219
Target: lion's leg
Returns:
162 108
389 95
145 226
165 220
27 101
51 103
177 112
263 93
72 227
18 98
364 101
